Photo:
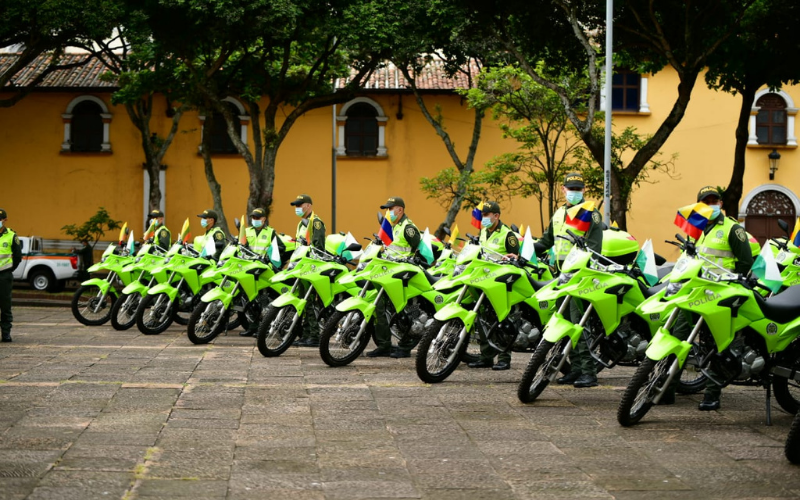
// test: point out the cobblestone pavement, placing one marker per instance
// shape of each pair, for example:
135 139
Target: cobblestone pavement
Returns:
88 412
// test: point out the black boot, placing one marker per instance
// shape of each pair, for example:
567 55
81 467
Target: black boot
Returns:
569 378
585 381
709 403
6 336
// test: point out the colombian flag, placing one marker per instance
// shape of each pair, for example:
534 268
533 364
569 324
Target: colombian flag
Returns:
693 219
795 238
580 216
385 233
477 215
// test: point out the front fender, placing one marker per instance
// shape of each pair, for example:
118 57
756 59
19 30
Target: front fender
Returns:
135 287
165 288
558 327
455 311
218 294
289 299
359 304
664 344
102 284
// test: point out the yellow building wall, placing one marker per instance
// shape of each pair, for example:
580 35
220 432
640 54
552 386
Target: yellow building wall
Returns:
43 189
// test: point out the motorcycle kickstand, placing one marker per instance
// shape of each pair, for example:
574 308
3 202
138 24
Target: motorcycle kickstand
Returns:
769 409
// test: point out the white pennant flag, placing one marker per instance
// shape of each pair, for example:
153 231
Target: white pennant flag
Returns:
209 248
274 253
527 251
130 243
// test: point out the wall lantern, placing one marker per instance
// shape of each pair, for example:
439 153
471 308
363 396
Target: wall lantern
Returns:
774 158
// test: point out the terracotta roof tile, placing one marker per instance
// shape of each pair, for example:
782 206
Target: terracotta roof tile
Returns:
86 76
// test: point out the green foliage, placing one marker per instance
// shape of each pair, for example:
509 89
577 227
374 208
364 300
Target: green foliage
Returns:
94 228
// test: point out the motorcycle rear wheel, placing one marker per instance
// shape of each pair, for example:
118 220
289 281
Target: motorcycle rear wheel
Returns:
123 312
86 298
541 367
432 361
337 347
155 314
792 447
206 322
274 337
642 389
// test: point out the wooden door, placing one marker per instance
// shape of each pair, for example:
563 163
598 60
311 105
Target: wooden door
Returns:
763 213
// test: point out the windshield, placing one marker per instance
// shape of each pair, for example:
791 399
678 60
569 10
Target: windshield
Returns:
109 250
468 253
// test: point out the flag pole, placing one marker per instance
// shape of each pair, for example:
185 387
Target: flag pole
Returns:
607 147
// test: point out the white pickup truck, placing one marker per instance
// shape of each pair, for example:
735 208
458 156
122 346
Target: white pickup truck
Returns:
44 271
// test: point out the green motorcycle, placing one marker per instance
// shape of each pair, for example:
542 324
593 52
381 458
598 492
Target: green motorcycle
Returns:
123 312
499 293
244 288
319 274
177 292
411 304
722 306
92 302
610 326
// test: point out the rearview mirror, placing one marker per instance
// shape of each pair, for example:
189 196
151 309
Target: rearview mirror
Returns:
782 223
380 218
353 247
514 228
446 231
237 223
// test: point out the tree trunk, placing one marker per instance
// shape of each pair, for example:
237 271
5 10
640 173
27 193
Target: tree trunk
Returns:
619 202
213 185
733 193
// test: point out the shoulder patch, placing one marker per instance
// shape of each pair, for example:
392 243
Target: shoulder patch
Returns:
410 230
16 239
596 218
512 241
317 224
219 236
740 233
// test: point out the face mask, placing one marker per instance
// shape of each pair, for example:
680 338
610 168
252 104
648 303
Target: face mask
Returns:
154 222
298 211
486 222
258 223
574 197
1 224
716 211
204 222
392 216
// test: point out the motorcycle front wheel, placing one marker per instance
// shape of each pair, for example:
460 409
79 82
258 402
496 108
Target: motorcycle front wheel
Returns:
206 322
787 391
90 307
437 357
338 346
123 312
541 368
275 334
155 314
642 389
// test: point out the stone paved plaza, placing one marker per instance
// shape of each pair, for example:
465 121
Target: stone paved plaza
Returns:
88 412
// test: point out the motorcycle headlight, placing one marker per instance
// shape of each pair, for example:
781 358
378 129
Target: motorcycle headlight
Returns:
291 265
166 261
138 259
103 259
564 278
361 266
673 288
458 269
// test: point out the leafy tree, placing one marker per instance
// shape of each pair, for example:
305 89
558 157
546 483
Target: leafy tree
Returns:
94 228
762 52
47 27
648 37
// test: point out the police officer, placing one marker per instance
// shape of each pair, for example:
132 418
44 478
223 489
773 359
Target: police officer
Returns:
312 229
725 242
162 236
208 220
499 238
583 372
405 244
258 239
10 257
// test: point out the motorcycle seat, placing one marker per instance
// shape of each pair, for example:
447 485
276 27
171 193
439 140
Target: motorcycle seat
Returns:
783 307
537 285
431 279
649 292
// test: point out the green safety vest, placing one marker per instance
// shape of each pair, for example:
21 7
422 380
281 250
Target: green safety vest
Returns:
260 242
715 247
497 241
399 242
562 247
6 254
200 242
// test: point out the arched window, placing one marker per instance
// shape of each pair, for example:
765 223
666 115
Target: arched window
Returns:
221 142
625 90
361 131
86 126
771 120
